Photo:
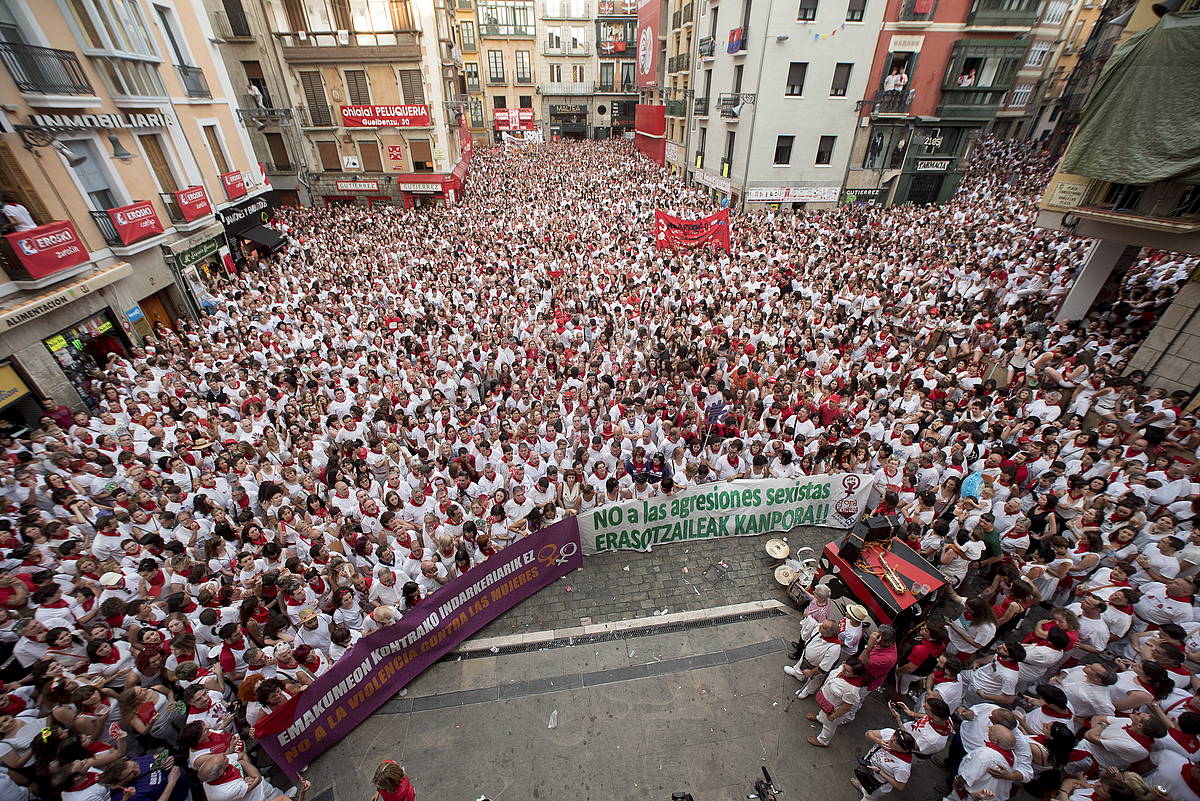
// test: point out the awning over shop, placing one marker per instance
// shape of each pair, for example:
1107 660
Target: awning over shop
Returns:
263 236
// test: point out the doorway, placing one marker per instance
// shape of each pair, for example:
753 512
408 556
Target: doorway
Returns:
926 188
158 308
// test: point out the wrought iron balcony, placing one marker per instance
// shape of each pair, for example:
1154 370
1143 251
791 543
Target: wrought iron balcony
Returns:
676 108
571 88
1164 206
317 117
894 102
171 204
616 88
687 13
194 82
918 10
707 47
45 70
107 230
700 107
676 18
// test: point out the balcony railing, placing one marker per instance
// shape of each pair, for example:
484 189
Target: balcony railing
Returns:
573 88
894 102
473 85
317 117
171 204
492 29
743 39
313 47
1161 206
971 103
676 108
616 88
730 105
567 50
1016 13
524 80
918 10
278 168
678 63
469 47
44 70
700 107
107 230
618 47
707 47
726 167
194 82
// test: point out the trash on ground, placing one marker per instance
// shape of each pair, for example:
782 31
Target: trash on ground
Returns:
553 724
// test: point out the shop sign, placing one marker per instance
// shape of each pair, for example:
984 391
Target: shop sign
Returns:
136 221
713 182
933 165
852 196
672 153
357 186
245 215
513 119
198 253
48 248
906 44
134 314
1067 194
234 183
75 122
11 318
793 194
414 116
431 188
12 388
193 203
568 108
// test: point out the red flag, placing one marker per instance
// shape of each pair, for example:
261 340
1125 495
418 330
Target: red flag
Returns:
675 233
278 719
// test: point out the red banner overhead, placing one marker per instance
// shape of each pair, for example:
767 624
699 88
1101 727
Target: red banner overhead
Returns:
234 183
413 116
513 119
649 24
135 222
676 233
48 248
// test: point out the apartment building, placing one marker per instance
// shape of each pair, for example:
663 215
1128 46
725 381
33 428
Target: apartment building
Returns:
616 87
567 108
942 70
775 86
1077 25
508 63
478 124
1022 105
119 140
681 56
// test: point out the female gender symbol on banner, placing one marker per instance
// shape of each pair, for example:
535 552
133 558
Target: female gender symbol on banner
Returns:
552 554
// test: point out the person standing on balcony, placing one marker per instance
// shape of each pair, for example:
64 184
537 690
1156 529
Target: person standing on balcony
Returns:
17 215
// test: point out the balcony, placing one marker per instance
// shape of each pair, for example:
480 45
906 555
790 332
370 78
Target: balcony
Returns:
967 103
232 27
730 106
497 30
896 102
700 106
524 80
107 230
44 70
687 13
740 37
463 5
576 50
618 47
279 168
678 63
1003 13
469 47
317 117
473 85
918 10
707 48
616 8
676 108
171 204
194 82
335 47
726 167
1164 206
568 88
615 88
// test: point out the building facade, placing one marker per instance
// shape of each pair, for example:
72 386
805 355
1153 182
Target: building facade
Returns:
122 153
1076 28
1017 115
567 74
508 63
942 70
681 57
775 85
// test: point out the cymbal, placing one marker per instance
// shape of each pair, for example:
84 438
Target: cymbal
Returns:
784 575
777 548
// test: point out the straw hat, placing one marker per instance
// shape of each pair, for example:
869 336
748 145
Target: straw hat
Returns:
777 548
858 612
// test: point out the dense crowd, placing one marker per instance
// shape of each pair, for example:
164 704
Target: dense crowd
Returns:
399 394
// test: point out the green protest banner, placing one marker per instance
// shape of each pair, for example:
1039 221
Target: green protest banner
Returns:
725 509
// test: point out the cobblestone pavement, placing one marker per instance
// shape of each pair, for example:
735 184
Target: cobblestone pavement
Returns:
631 584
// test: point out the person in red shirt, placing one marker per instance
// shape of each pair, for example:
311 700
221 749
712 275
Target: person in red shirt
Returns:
391 783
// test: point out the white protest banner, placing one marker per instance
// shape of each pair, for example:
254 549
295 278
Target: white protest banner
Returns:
726 509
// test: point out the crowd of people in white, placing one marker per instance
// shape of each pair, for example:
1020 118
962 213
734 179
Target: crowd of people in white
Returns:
399 394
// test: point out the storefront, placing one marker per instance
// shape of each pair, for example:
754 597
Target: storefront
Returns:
19 407
247 228
569 120
83 348
417 189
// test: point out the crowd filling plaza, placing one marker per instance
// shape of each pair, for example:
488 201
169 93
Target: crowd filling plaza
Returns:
399 394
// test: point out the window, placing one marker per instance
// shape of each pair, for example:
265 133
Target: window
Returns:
578 9
112 27
156 155
578 38
553 9
506 17
422 155
524 70
783 149
412 87
555 73
737 79
841 80
495 66
607 73
1056 10
825 149
130 77
1020 95
1037 54
466 35
357 92
525 101
212 135
499 101
314 96
471 72
795 78
808 10
577 73
700 147
331 159
279 152
629 77
92 175
554 38
174 36
368 156
855 10
727 160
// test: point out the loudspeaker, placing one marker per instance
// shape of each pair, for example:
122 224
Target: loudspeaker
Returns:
882 527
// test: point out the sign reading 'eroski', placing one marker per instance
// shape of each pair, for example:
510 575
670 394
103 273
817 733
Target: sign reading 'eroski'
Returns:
414 116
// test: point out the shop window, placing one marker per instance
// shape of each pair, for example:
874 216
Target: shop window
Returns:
85 347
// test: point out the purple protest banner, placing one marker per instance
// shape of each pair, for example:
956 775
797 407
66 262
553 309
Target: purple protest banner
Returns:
381 663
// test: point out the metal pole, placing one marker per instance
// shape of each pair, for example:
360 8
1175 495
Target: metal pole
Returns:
762 58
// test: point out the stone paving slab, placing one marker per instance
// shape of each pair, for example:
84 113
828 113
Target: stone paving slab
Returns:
604 590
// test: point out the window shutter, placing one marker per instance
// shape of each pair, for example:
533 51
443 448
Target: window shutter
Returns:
14 181
314 97
368 153
412 87
356 88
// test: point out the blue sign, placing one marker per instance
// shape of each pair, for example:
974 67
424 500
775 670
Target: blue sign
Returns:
134 314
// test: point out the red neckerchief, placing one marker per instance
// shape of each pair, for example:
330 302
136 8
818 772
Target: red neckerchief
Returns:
1011 665
1141 739
941 677
90 778
1188 742
1186 774
902 756
231 774
1004 752
833 639
944 728
1050 712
